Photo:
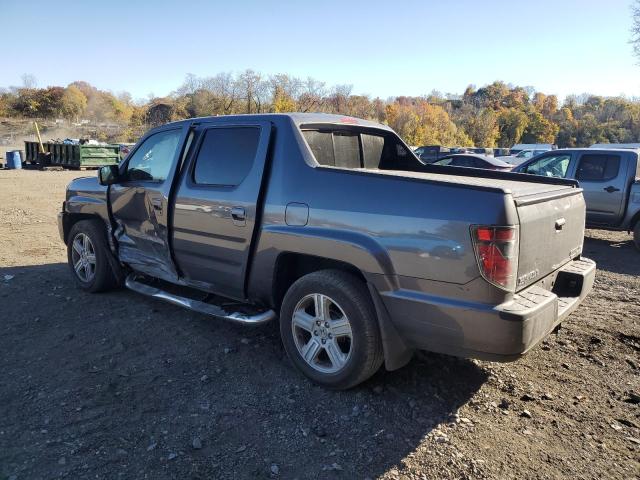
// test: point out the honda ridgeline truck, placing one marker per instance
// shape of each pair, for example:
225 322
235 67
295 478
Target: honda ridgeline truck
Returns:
333 225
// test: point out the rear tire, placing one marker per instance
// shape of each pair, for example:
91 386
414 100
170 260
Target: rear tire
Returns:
328 318
636 235
90 259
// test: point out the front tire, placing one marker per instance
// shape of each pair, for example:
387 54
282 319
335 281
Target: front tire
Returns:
329 329
89 257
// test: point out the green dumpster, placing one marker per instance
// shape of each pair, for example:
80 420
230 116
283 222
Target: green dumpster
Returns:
73 155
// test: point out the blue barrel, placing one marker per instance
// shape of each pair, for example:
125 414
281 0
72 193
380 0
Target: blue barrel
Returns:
13 159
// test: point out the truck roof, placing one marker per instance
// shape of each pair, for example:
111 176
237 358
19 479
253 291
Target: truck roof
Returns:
591 149
298 118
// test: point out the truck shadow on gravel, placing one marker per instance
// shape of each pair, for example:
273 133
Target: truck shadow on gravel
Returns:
119 384
617 256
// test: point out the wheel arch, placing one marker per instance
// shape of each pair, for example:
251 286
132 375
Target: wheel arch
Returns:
634 221
70 219
290 266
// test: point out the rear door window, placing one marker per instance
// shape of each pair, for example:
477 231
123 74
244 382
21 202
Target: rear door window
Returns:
598 167
226 155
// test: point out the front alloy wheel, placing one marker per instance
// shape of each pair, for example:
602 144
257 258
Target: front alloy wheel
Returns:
90 261
83 257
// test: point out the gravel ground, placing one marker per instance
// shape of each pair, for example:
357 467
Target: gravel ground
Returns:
120 386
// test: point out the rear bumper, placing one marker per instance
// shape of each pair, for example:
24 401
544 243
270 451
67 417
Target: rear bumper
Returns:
489 332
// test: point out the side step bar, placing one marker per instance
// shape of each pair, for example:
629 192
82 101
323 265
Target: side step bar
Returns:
198 306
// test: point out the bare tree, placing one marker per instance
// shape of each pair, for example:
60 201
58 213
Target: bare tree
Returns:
635 28
254 90
312 96
226 88
190 85
29 80
339 98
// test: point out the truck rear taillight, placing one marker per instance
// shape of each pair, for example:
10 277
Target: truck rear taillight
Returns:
496 250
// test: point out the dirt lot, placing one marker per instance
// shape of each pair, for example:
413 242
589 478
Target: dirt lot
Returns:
120 386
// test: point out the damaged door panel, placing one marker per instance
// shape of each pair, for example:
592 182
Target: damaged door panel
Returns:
139 204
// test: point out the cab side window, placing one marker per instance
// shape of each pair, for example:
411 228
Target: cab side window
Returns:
153 159
550 166
226 156
598 167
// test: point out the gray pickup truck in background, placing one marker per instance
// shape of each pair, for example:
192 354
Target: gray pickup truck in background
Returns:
333 225
610 179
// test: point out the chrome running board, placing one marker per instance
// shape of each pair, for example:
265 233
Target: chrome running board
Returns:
198 306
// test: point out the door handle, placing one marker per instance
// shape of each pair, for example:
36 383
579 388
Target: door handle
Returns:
238 215
611 189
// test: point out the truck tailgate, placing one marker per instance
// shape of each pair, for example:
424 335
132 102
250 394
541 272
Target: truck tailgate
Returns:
551 232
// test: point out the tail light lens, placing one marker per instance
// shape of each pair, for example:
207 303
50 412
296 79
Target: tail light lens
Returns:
496 251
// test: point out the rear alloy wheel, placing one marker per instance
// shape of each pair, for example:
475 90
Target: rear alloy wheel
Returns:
322 333
329 329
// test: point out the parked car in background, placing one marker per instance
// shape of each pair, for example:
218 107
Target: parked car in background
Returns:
125 148
474 160
501 152
545 147
431 153
521 156
481 151
334 225
610 179
633 146
453 150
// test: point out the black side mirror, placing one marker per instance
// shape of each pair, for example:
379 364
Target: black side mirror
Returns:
109 174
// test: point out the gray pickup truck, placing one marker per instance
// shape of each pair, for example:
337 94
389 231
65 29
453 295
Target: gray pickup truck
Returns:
609 177
334 225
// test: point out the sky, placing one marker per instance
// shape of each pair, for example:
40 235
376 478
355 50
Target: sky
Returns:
380 48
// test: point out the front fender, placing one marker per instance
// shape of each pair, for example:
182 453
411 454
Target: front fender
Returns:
86 205
85 199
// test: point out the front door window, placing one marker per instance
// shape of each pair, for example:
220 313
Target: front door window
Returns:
153 159
551 166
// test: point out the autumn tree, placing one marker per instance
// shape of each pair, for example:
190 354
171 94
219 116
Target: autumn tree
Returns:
511 124
74 103
538 129
282 101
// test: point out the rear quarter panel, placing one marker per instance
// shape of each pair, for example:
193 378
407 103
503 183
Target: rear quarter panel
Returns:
383 224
